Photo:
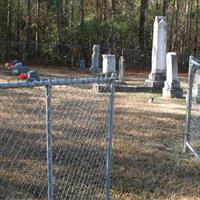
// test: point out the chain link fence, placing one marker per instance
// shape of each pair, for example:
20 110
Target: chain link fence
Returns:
192 139
67 55
71 55
69 156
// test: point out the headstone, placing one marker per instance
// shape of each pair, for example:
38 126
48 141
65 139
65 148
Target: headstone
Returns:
121 69
158 69
94 69
17 68
172 84
82 64
109 64
24 70
196 87
15 61
33 76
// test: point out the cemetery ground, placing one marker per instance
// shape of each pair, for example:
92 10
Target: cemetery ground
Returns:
148 162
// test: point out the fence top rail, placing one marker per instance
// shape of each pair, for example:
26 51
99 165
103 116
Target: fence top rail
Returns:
194 61
66 81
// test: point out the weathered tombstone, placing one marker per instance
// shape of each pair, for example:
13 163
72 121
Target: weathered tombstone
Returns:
33 75
24 70
94 69
172 84
121 69
109 67
196 87
158 69
109 64
17 68
82 64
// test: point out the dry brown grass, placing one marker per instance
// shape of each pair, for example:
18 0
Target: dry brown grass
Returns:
147 150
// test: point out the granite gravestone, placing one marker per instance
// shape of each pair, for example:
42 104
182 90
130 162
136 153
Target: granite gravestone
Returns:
16 70
33 76
82 64
94 69
109 64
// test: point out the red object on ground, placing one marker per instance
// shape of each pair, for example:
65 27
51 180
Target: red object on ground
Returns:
23 76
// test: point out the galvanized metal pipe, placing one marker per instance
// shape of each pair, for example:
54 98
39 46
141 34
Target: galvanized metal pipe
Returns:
109 140
67 81
49 143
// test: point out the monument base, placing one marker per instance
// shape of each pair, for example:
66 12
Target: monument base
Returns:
99 88
172 93
172 89
95 70
172 84
156 79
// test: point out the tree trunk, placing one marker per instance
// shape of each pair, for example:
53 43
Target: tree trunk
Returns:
28 28
171 33
113 8
37 36
143 6
18 20
9 21
164 7
176 27
197 28
81 12
71 13
59 20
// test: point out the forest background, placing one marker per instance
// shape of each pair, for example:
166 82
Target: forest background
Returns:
62 32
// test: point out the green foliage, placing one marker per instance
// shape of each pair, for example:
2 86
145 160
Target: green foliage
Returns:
58 21
97 31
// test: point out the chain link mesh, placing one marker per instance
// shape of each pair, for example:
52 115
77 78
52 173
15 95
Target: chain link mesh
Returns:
80 119
22 144
79 142
192 140
194 133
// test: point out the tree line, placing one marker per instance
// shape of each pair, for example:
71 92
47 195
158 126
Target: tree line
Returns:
114 24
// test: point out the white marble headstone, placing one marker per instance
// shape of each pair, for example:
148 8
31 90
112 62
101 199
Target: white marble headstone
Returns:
158 65
172 66
109 64
172 83
159 45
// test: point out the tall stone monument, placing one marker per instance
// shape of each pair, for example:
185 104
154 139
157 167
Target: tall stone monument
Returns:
158 69
94 69
172 84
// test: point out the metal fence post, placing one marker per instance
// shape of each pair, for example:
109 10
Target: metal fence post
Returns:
109 141
49 142
189 105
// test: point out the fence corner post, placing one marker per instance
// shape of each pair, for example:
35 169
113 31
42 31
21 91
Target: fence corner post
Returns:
49 142
109 139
